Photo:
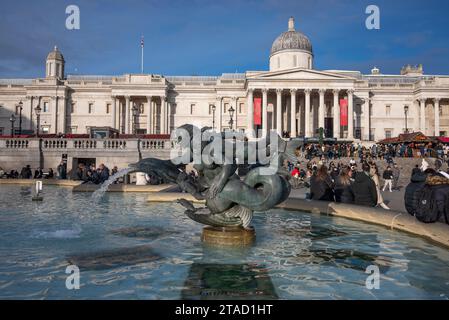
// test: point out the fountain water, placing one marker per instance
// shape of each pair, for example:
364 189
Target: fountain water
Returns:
98 194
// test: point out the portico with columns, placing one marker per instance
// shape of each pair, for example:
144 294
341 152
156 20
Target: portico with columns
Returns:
299 102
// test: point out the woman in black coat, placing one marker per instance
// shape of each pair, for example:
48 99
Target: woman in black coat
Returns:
321 186
343 187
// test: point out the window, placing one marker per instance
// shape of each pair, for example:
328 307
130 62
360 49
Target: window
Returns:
141 108
45 109
388 134
295 61
72 107
192 108
241 108
108 108
387 110
91 108
279 62
45 129
310 63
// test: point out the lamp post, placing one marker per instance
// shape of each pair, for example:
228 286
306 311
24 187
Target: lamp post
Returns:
406 114
231 116
38 119
12 119
213 116
135 109
20 117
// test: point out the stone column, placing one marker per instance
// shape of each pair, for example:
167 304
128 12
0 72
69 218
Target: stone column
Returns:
350 114
149 115
422 123
250 113
336 93
264 111
114 112
127 107
168 117
367 106
437 116
163 116
63 116
54 118
30 113
293 130
279 111
321 110
219 114
307 121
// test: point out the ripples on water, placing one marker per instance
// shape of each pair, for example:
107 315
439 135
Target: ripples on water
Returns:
128 248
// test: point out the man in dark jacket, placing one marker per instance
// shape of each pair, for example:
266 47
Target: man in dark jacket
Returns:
364 188
388 177
418 181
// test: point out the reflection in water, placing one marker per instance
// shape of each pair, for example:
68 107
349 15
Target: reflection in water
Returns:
144 232
228 281
343 258
320 233
113 258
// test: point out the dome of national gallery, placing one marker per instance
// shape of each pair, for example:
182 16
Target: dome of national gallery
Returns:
291 40
292 49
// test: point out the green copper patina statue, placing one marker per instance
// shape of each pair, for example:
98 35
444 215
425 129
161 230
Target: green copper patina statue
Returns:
230 199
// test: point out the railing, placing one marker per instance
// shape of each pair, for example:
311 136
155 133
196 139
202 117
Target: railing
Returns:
54 144
153 144
17 143
64 144
114 144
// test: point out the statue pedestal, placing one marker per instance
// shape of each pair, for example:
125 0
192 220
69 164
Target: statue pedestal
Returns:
228 237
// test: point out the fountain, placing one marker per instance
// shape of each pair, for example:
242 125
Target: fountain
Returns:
36 191
230 201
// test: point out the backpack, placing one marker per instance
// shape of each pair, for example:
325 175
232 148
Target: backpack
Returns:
426 208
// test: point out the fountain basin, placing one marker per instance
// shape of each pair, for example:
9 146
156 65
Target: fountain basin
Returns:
296 255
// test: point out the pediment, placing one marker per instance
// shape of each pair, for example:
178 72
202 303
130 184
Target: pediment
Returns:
299 74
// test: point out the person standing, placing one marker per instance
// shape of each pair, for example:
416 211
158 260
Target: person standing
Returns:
388 177
62 171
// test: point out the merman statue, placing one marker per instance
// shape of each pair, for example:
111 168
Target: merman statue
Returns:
230 199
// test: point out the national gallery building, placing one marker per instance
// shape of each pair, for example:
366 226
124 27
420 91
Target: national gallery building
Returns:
291 97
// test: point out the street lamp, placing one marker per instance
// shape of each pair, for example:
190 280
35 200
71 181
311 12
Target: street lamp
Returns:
213 116
135 109
406 114
38 119
231 115
20 117
12 119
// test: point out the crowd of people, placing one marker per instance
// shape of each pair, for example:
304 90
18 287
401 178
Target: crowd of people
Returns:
426 196
87 174
374 152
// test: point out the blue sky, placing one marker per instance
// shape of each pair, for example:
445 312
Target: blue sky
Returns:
199 37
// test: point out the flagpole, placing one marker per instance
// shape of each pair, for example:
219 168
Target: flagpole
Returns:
142 45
